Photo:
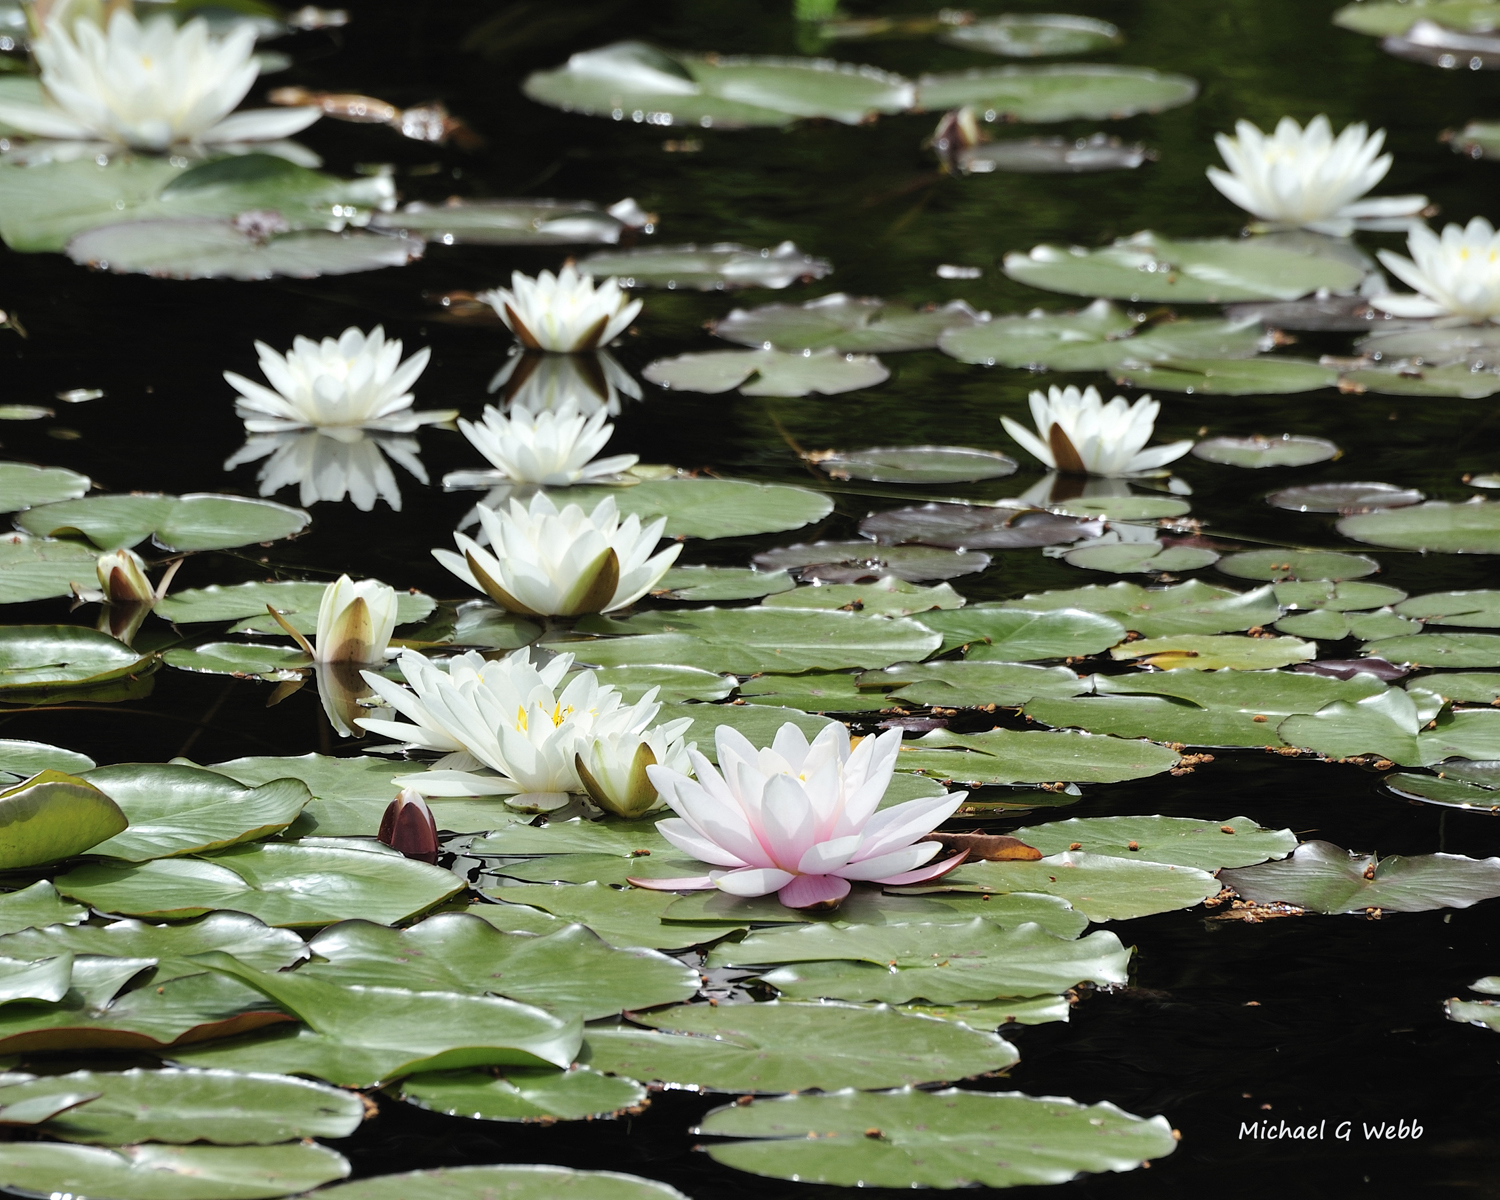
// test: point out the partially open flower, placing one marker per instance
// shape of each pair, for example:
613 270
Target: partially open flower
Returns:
799 819
542 562
1081 435
613 768
151 85
551 448
564 313
408 826
1457 274
341 387
355 621
1309 178
122 579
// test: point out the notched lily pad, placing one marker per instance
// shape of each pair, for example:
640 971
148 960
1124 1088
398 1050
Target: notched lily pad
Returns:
525 1094
1279 565
201 521
1322 877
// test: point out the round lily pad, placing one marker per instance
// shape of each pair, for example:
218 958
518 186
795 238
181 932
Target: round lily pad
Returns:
1437 525
153 1172
36 568
1346 498
717 267
1286 451
525 222
23 485
709 508
1124 508
1125 558
511 1181
1271 374
1278 565
723 583
768 372
863 562
916 464
1056 93
524 1094
1031 35
195 522
35 659
975 527
847 324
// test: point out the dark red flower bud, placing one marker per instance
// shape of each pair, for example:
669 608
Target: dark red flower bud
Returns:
408 826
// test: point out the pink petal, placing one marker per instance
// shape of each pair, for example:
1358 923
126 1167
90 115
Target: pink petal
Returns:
753 881
828 856
688 883
931 871
894 828
788 824
905 859
681 835
814 891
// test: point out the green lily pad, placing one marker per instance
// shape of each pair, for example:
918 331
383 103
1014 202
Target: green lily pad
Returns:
512 1182
1452 793
39 568
973 684
1280 565
993 1014
710 508
37 659
1006 756
717 267
1323 878
744 641
1463 380
1030 35
1462 687
297 602
815 691
525 1094
1479 608
1123 508
522 222
1211 652
1484 1013
861 561
945 1139
1389 724
1343 497
622 917
195 522
1065 92
1471 528
610 836
36 906
1183 841
53 816
223 1107
24 486
784 1047
252 660
1256 452
1337 597
182 810
21 759
153 1172
916 464
45 980
767 372
33 1106
1102 887
724 583
1128 558
480 623
1191 607
888 596
287 884
674 685
1438 649
1269 375
1156 717
568 972
847 324
1391 18
1005 633
1147 266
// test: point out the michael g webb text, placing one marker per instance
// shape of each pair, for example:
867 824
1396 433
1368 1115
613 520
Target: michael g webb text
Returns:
1340 1131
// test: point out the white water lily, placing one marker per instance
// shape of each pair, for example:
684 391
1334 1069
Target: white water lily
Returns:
331 464
1081 435
542 562
122 579
355 621
506 728
799 818
1457 274
554 448
151 85
357 382
563 313
543 382
614 768
1309 178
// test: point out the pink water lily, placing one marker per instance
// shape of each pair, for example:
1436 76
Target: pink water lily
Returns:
799 819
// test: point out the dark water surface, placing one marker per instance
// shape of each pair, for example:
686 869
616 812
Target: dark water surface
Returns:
1323 1017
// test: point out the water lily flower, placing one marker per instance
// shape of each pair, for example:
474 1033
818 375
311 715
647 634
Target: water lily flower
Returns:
799 819
613 769
561 564
506 728
1309 178
552 448
151 85
125 591
340 387
408 825
1081 435
563 313
1457 274
540 382
331 464
355 621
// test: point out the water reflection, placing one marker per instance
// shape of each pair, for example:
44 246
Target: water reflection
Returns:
341 687
329 464
544 382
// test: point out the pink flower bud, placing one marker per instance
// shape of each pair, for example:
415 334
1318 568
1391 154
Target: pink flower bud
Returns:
408 826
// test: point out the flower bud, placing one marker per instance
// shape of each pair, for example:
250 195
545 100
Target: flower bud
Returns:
408 826
355 621
122 578
613 772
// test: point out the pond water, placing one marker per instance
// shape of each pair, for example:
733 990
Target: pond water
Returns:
1223 1023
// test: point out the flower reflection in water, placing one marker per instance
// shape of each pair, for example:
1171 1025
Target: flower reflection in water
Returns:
329 464
545 382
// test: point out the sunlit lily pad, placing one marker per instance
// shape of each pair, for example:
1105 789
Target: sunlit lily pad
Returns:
815 691
281 883
673 684
916 464
767 372
297 602
622 917
1468 382
182 810
1285 451
37 568
1278 565
512 1182
1394 725
1349 594
1147 266
1343 498
1009 756
194 522
525 222
782 1047
847 324
976 527
710 508
1472 528
1183 841
1389 18
1124 558
524 1094
973 684
20 759
1271 374
888 596
1053 156
1324 878
36 906
724 583
1210 652
946 1139
1002 633
1479 608
1030 35
1462 687
1439 649
23 485
1065 92
153 1172
241 659
716 267
862 562
1451 793
38 659
1191 607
